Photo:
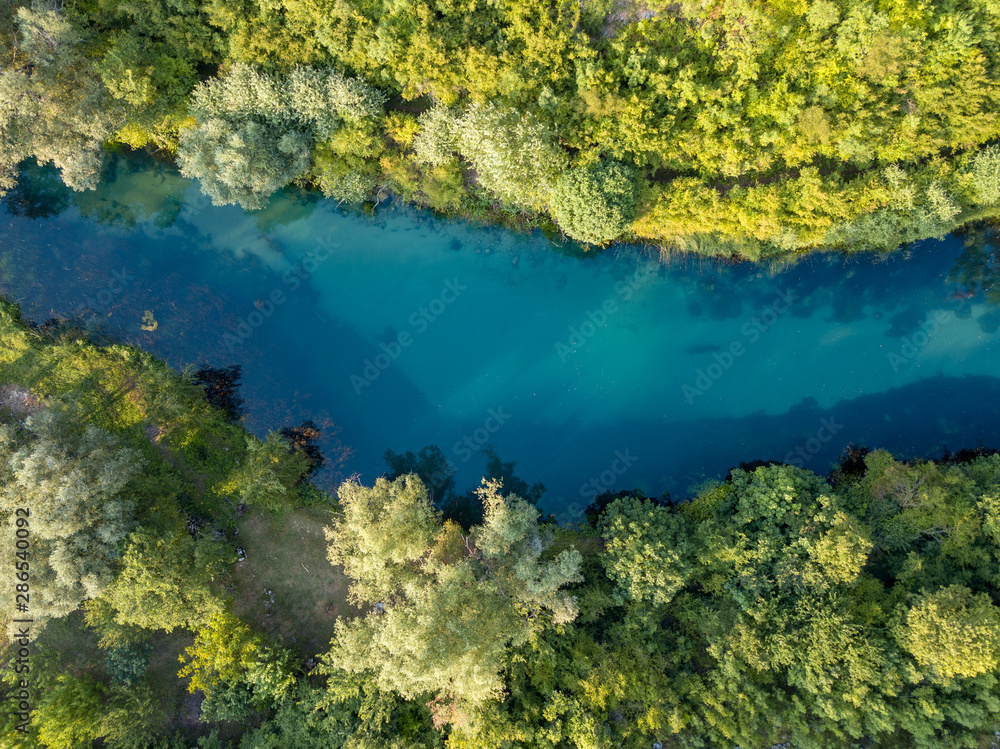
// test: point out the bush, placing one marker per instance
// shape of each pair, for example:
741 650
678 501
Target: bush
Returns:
596 203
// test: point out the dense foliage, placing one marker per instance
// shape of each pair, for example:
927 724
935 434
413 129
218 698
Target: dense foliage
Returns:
775 607
750 128
594 204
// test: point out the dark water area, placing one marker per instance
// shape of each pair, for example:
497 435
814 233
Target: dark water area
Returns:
607 371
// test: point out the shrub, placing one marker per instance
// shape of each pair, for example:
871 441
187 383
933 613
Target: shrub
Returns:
595 203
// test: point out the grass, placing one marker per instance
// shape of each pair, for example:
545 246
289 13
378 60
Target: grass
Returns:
162 673
286 557
584 540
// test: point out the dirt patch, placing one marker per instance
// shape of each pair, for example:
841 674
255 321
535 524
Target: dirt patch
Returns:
624 13
19 401
154 433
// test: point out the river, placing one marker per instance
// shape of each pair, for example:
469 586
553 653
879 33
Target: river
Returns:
593 372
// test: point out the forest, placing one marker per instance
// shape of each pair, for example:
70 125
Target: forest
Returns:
726 128
188 586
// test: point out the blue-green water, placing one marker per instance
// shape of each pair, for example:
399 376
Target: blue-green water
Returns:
609 372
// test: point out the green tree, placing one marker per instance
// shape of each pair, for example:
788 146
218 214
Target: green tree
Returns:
247 142
268 474
350 713
952 632
70 483
596 203
130 716
326 99
244 162
647 549
151 84
515 154
165 582
55 106
436 140
226 653
65 712
445 606
255 131
986 175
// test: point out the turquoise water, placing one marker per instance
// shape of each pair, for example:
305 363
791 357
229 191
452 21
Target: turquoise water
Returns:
612 371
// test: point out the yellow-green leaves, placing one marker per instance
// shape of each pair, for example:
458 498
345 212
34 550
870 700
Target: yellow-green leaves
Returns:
647 548
443 607
227 652
952 633
382 535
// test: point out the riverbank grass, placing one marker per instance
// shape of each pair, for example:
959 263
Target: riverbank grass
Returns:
286 587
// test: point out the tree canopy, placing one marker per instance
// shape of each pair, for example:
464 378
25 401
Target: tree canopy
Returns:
443 606
745 128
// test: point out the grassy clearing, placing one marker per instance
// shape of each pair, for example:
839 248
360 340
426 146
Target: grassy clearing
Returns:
286 557
586 541
162 672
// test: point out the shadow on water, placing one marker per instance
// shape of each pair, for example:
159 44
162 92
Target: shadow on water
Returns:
920 420
39 193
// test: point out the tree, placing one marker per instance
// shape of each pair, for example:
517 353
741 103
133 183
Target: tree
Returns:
69 482
247 142
227 654
65 712
514 154
596 203
53 104
255 132
243 162
126 665
350 713
985 175
327 99
268 474
436 141
131 715
150 82
445 606
165 583
647 549
952 632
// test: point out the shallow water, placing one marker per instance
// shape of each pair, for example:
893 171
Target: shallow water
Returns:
608 372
